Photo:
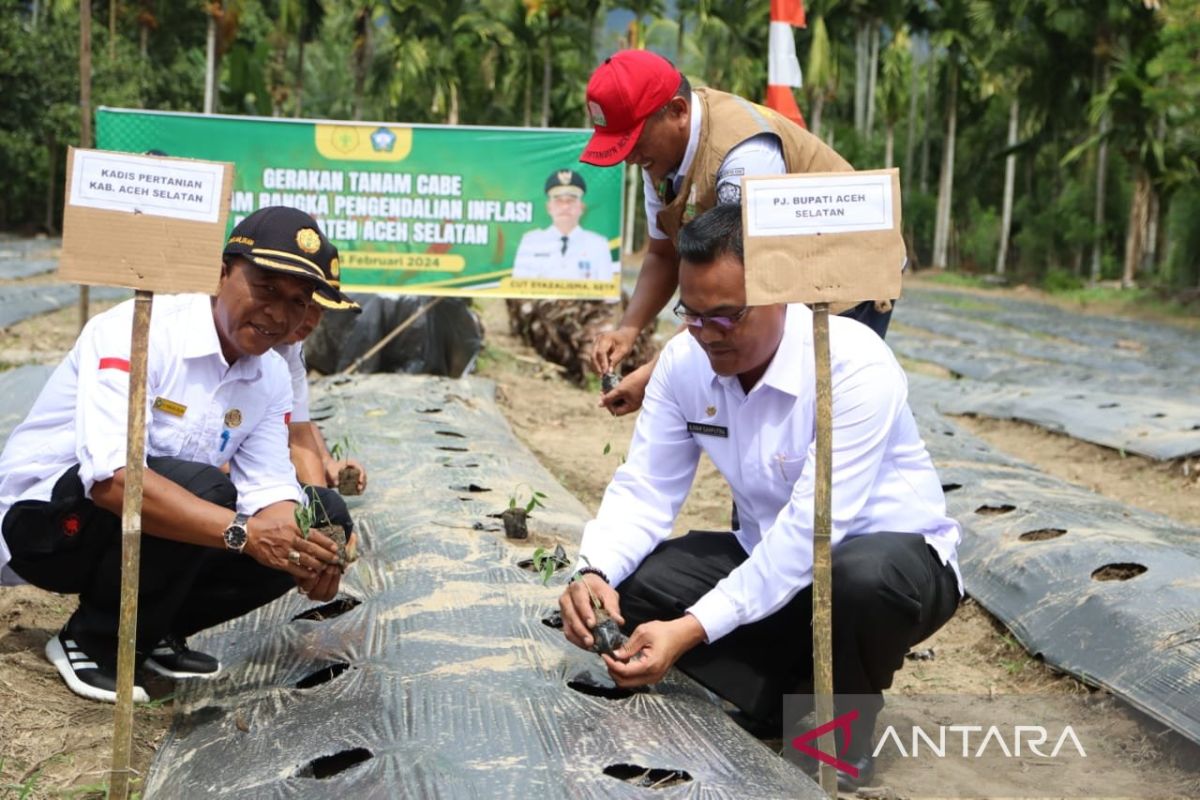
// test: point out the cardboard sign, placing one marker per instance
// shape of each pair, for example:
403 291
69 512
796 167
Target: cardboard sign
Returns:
831 237
144 222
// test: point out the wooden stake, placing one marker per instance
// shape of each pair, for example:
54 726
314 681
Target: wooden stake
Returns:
85 113
399 329
822 595
131 545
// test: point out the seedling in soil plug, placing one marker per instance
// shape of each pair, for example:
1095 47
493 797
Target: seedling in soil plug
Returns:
516 516
348 475
609 381
606 636
307 516
545 562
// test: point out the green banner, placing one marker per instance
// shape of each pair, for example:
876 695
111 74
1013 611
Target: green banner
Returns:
417 209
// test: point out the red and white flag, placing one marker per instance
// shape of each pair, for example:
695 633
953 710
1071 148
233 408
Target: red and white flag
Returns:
783 68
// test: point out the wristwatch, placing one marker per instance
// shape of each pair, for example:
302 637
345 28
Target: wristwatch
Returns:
236 534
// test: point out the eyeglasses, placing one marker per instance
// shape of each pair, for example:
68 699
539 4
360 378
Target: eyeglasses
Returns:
725 322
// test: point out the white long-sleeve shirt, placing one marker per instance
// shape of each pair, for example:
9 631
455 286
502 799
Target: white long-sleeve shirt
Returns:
198 407
763 444
293 354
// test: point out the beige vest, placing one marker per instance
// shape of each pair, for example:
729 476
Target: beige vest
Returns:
739 119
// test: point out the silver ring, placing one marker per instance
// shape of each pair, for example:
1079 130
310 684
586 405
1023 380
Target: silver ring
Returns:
294 557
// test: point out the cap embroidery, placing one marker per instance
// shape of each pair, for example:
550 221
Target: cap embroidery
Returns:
308 240
597 114
241 240
564 177
334 267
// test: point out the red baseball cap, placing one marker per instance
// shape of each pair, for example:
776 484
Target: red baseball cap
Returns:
622 92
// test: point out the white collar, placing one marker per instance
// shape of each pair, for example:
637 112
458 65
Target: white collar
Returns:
792 359
203 341
689 155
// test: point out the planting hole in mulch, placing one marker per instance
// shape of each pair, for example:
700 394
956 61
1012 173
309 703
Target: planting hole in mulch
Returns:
950 487
470 487
585 683
558 558
1118 572
989 510
1042 534
328 766
450 449
647 777
429 411
1108 405
455 434
323 675
330 610
1157 415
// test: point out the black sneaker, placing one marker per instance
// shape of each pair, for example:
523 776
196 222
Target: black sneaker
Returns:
83 675
864 767
174 659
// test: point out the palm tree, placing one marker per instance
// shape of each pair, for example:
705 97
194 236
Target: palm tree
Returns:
299 21
731 35
954 37
894 89
435 50
820 75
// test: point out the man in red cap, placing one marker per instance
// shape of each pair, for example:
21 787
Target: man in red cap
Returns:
693 146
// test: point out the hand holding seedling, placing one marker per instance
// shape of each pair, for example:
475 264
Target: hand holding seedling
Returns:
271 538
629 393
653 649
342 472
333 471
579 602
611 346
321 585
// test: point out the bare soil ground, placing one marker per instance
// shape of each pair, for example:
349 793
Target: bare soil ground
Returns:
53 744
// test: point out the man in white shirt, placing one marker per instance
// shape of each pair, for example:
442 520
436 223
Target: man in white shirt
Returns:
733 610
564 251
215 546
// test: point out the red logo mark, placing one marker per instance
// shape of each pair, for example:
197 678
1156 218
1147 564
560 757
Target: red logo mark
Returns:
115 363
70 524
842 722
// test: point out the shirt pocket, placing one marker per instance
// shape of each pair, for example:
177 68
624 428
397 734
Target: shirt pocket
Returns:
168 434
786 467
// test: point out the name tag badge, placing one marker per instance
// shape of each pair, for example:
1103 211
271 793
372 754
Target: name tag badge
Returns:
708 430
170 407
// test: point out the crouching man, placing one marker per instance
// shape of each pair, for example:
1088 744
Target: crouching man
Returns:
734 610
216 546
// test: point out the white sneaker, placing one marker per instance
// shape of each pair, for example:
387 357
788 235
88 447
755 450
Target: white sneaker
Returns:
84 676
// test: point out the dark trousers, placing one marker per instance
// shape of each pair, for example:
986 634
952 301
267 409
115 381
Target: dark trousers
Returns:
71 546
890 591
